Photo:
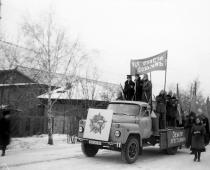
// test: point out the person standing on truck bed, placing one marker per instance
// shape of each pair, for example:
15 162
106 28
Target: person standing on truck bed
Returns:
161 108
198 131
146 89
138 88
168 107
173 111
129 88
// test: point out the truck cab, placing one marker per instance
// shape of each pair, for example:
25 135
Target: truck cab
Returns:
130 130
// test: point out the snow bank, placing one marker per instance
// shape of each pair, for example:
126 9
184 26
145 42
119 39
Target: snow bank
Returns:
37 142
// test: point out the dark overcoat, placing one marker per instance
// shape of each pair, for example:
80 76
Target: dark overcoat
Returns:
198 131
129 90
146 91
4 132
173 110
161 104
138 89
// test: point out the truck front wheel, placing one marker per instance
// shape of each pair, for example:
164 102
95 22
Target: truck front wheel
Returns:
89 150
130 150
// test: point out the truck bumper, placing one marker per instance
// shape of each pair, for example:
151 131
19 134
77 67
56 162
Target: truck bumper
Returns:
101 144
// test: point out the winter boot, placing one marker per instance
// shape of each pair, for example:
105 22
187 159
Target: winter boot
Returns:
199 156
195 158
3 153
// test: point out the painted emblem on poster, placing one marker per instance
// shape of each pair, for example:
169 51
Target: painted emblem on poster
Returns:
98 124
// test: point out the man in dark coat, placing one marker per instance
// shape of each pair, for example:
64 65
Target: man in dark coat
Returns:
173 111
129 88
161 109
197 146
168 107
138 88
146 89
4 131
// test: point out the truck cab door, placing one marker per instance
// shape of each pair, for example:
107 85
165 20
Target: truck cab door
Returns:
145 122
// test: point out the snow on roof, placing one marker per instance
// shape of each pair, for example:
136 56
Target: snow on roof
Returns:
17 84
58 79
81 92
130 102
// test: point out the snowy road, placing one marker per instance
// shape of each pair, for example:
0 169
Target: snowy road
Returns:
70 157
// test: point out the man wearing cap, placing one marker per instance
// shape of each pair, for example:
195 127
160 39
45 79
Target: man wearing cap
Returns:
129 88
138 88
4 131
146 89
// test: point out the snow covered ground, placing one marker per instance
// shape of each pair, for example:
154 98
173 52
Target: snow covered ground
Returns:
32 153
36 142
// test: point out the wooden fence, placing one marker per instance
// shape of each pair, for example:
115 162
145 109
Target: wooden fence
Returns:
22 126
28 125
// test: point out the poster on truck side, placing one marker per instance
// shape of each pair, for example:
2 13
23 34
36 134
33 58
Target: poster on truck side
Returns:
176 137
98 124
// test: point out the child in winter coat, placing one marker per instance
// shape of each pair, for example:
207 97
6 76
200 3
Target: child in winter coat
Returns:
197 144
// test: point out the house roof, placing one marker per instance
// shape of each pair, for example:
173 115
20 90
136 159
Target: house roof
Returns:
58 80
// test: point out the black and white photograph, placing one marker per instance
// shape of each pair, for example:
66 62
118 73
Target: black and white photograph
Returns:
104 84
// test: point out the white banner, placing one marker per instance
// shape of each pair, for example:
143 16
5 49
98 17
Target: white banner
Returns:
141 66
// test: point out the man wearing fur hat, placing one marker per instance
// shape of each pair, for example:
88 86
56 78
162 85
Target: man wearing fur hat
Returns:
129 88
146 89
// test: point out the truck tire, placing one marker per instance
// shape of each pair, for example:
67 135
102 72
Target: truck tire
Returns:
172 151
89 150
130 150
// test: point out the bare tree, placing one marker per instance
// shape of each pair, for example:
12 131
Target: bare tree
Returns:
109 93
192 97
89 83
55 53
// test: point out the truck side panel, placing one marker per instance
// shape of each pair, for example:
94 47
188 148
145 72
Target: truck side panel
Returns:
172 138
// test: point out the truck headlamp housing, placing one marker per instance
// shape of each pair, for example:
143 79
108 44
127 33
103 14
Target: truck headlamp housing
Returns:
81 129
117 133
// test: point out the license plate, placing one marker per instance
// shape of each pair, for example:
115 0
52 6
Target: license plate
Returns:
94 142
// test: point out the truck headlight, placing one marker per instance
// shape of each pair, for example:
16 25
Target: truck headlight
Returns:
117 133
81 129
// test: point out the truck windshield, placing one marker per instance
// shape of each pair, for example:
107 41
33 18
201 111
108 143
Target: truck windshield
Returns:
124 109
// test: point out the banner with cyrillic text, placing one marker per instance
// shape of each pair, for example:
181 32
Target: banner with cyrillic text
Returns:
142 66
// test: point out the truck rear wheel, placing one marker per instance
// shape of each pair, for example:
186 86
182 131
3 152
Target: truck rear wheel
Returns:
89 150
172 151
130 150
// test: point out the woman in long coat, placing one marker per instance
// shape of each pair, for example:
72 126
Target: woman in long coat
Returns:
189 124
4 131
197 144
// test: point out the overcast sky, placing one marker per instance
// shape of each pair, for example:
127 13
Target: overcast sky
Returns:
121 30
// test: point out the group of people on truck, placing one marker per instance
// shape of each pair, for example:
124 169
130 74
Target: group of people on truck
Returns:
167 109
138 90
141 90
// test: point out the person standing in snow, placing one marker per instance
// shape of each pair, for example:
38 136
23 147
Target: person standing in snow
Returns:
189 124
197 145
4 131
